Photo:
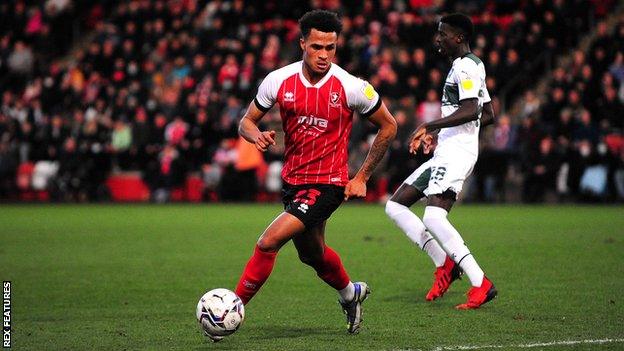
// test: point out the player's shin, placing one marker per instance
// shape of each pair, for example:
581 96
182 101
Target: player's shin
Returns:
435 219
416 231
256 272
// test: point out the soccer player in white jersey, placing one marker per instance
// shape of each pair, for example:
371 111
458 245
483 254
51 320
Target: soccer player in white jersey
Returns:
466 105
317 100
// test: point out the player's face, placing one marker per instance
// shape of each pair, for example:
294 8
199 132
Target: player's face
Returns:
447 39
319 49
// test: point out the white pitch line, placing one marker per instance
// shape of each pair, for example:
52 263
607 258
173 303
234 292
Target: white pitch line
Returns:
528 346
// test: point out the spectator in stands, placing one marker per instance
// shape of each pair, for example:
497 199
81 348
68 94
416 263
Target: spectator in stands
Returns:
249 162
610 109
541 170
140 139
21 61
530 104
586 130
175 132
171 174
617 67
400 162
8 170
552 109
496 159
68 184
618 174
121 140
226 157
429 109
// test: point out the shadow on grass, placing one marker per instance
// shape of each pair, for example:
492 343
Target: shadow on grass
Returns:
288 332
268 333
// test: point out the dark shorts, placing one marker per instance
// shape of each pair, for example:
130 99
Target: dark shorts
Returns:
312 203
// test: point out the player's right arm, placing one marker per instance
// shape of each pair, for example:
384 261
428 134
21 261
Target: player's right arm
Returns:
265 99
248 128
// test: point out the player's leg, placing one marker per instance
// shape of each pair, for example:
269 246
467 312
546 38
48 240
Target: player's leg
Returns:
435 219
314 252
326 262
397 208
261 263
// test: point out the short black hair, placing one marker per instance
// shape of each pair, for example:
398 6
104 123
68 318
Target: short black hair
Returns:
322 20
461 22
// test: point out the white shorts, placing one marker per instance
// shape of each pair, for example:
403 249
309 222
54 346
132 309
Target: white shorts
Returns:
443 172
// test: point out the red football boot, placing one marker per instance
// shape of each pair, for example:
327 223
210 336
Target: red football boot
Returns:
479 296
444 276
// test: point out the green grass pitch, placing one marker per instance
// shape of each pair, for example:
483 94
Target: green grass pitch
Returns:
115 277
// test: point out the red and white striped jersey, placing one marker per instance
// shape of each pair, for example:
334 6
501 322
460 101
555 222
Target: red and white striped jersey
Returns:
317 120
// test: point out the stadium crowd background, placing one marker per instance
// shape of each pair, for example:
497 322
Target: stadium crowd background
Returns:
153 90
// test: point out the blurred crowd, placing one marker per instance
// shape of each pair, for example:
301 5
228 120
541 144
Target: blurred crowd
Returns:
157 87
567 143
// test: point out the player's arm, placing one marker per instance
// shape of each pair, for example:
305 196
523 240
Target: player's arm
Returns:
467 77
248 128
468 111
487 115
387 130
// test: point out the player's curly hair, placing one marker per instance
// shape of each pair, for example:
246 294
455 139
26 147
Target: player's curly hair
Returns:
322 20
461 22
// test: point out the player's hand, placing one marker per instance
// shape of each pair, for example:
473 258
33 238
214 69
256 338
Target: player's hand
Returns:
422 139
355 188
265 139
416 139
429 143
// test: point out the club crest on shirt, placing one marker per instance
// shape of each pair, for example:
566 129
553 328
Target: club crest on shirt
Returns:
289 96
334 99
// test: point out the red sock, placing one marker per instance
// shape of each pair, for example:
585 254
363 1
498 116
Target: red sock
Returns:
332 271
256 272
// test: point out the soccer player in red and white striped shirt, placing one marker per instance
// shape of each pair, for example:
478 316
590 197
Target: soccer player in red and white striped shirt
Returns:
317 100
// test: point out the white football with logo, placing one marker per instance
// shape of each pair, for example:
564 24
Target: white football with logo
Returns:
220 312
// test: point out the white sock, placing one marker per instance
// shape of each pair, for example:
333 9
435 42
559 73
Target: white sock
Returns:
415 230
348 293
435 220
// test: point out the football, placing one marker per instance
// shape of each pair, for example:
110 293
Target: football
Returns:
220 312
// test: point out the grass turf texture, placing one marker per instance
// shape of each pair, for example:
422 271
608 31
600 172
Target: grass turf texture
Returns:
116 277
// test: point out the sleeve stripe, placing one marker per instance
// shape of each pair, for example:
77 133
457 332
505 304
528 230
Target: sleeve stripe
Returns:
374 109
260 107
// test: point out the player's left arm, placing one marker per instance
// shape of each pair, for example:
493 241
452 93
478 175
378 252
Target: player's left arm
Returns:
387 130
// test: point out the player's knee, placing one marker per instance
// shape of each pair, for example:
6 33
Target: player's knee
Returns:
433 215
394 208
312 260
268 244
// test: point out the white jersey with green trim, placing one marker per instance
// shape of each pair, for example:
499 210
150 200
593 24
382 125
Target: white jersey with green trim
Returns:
466 80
